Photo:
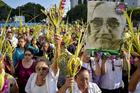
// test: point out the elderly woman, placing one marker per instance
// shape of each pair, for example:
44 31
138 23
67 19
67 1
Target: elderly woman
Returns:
45 78
24 69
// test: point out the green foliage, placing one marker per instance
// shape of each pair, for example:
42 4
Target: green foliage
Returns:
31 11
85 1
4 10
77 13
135 14
79 1
122 0
1 3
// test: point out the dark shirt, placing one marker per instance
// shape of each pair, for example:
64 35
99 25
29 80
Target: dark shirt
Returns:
24 73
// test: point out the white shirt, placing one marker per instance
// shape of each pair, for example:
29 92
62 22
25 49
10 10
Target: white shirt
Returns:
93 88
49 87
93 64
112 79
39 89
13 41
87 65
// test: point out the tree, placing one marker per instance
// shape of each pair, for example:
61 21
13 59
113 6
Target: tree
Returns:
85 1
79 1
2 3
4 10
31 11
135 14
77 13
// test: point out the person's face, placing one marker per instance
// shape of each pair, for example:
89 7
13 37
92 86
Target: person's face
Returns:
24 35
136 61
42 69
28 55
85 57
10 35
82 79
21 42
45 47
34 41
41 40
105 26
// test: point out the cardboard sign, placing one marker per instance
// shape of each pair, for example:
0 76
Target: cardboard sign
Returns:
105 26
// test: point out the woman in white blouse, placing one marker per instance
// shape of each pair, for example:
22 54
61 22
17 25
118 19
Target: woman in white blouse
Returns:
45 78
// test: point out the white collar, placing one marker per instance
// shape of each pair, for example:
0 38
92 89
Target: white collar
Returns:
77 90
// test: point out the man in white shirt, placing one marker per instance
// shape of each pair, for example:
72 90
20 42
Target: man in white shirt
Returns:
93 65
81 83
111 79
12 39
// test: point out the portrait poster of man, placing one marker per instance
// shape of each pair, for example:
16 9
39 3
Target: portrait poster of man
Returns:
105 26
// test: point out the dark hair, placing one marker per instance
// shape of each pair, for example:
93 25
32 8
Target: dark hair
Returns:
81 70
34 38
29 49
49 47
19 39
44 43
97 5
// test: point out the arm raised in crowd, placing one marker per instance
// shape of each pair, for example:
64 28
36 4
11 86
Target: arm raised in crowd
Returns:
69 83
54 65
103 66
98 68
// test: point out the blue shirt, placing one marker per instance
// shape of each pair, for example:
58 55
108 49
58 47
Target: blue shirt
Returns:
18 56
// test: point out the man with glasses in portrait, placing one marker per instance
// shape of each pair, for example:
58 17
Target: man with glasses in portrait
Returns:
105 26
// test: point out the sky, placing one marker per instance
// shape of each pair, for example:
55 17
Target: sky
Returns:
45 3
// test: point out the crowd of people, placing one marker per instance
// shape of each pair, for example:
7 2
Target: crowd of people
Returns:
38 59
34 59
34 68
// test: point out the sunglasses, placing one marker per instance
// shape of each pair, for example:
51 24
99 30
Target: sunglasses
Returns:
42 69
28 54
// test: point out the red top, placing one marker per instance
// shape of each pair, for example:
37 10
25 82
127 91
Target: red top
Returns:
24 73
